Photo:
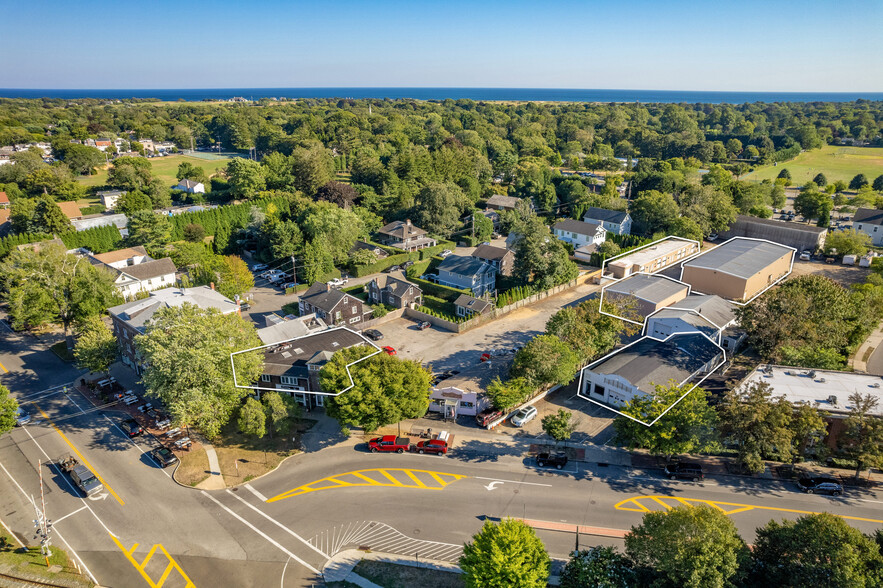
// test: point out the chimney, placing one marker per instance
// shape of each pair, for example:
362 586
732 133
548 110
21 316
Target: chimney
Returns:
327 287
408 222
212 284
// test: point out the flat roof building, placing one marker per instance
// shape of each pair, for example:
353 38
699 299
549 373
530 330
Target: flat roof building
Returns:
739 269
653 258
645 293
797 235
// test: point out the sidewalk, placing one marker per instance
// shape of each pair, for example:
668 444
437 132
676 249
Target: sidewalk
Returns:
859 360
340 567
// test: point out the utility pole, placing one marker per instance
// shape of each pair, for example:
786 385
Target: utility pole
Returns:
42 524
294 269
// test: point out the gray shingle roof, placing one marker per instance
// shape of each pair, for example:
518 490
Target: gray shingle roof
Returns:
476 305
489 252
464 266
653 289
716 309
292 357
150 269
394 285
138 312
868 216
603 214
650 361
784 224
401 230
575 226
503 201
740 257
320 296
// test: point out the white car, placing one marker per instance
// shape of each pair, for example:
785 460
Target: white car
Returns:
524 415
259 266
805 256
337 282
445 253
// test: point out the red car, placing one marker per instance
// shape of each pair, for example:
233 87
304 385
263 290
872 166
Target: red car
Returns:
436 446
389 350
389 443
485 357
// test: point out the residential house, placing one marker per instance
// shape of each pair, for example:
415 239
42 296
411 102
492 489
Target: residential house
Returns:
385 289
500 202
4 200
4 213
636 369
332 306
276 329
796 235
870 222
643 294
292 367
579 233
404 235
103 144
134 270
739 269
652 258
191 187
502 260
465 393
469 305
617 222
109 198
130 319
70 210
458 271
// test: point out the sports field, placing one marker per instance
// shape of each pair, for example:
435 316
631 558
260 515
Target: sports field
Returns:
837 163
165 168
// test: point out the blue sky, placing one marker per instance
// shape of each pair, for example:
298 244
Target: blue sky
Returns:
809 45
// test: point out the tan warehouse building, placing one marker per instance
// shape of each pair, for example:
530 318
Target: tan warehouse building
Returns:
653 258
739 269
644 294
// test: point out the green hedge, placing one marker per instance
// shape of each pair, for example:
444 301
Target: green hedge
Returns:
431 251
361 271
440 308
514 295
443 292
468 240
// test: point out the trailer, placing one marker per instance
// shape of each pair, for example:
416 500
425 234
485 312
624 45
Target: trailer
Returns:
81 476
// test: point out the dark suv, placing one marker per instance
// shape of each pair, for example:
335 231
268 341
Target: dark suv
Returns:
684 471
556 460
820 485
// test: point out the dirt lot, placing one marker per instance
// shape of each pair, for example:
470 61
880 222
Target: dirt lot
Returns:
845 274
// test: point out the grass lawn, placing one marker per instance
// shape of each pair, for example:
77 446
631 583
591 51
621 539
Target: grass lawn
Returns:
193 468
164 168
31 565
243 458
391 575
60 349
837 163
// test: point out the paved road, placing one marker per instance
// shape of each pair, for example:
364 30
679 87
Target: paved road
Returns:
289 522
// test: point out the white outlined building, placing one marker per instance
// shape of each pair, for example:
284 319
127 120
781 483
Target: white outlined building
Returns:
643 294
636 369
706 313
740 269
651 258
292 367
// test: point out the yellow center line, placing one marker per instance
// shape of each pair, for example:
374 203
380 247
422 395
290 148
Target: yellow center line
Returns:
80 455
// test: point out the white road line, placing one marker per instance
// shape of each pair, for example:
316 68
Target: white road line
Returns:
138 447
70 514
260 496
513 482
261 533
68 396
282 582
280 525
57 532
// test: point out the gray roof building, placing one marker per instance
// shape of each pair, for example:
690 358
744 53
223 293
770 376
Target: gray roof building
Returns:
489 252
464 266
294 358
576 226
653 289
738 257
603 214
136 313
717 310
797 235
285 330
467 305
868 216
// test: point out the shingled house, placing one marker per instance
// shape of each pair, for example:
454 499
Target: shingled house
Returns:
332 306
385 289
404 235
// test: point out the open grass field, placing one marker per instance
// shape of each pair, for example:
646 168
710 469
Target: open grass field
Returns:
164 168
837 163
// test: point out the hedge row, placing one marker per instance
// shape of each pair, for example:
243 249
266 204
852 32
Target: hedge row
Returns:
443 292
96 240
361 271
429 252
514 295
440 308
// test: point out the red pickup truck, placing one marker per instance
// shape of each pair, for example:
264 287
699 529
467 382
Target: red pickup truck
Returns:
389 443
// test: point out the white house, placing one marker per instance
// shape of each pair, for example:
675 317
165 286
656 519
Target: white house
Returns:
134 271
617 222
579 233
870 222
109 198
191 187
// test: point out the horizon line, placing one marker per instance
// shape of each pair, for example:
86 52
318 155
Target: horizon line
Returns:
56 89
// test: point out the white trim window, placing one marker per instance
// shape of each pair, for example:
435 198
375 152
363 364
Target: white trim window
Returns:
265 378
288 380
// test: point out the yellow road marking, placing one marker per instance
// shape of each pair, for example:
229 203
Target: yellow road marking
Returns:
173 565
629 504
83 460
392 482
3 367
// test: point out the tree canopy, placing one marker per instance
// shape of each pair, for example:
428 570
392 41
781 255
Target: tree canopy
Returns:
505 555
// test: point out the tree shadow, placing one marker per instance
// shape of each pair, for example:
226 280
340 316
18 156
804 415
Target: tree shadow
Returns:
481 451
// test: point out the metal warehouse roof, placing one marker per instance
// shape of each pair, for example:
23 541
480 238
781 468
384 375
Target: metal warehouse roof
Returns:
740 257
653 289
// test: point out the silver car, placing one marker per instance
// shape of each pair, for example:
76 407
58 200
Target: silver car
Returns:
21 417
524 415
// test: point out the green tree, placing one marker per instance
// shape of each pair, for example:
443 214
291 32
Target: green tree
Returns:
280 411
252 419
785 175
848 242
188 349
130 173
229 273
505 555
505 395
483 226
277 170
96 348
439 207
546 359
559 426
311 168
598 567
48 217
757 424
336 228
8 410
808 427
540 259
588 332
810 203
687 547
82 159
343 195
858 182
820 180
246 177
689 426
815 550
133 201
47 284
385 389
654 212
878 183
194 233
153 231
188 171
862 439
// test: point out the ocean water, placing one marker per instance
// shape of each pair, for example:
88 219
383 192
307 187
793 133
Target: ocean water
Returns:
513 94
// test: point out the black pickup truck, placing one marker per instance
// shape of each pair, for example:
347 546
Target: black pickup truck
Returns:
557 460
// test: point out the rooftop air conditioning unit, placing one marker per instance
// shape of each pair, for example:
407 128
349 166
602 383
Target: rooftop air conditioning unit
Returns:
832 399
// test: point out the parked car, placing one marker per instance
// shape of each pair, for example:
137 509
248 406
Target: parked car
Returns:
820 485
713 237
392 268
389 443
557 460
423 325
389 350
684 471
269 273
164 456
805 256
244 306
524 416
373 334
258 267
337 282
131 427
288 285
436 446
484 357
445 253
487 416
21 417
486 243
407 264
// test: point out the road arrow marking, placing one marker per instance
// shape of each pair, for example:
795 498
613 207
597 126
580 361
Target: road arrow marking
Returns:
493 485
513 482
102 496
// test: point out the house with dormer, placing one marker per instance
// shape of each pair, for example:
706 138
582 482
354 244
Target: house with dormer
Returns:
404 235
617 222
331 305
385 289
